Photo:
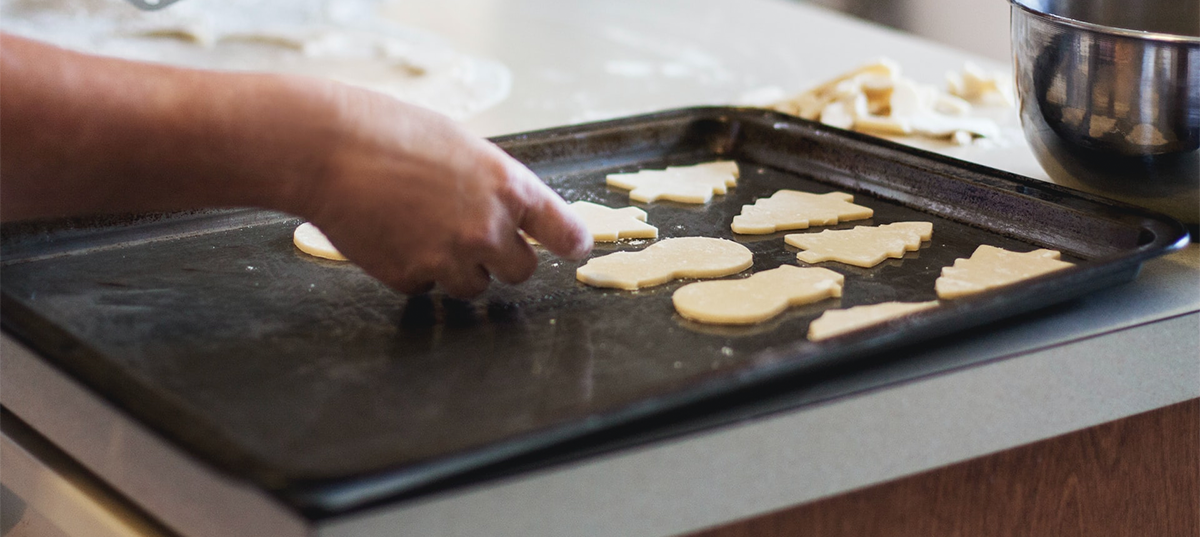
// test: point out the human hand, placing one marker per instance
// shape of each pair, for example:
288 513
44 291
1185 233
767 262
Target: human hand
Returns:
415 200
403 192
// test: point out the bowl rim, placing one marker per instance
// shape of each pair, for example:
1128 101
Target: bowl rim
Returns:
1104 29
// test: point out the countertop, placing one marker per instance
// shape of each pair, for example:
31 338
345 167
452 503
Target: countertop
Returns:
1121 352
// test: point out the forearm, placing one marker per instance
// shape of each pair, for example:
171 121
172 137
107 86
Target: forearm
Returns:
405 193
82 134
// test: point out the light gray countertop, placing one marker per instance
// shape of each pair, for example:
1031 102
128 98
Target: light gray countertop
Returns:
1121 352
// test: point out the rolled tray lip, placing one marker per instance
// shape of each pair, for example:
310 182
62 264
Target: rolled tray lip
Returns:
1105 29
328 497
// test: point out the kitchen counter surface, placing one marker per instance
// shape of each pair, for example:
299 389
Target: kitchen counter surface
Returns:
1121 352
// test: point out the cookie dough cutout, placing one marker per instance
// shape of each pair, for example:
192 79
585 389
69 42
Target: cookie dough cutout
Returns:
863 246
791 209
610 225
757 298
685 184
837 322
991 267
666 260
311 241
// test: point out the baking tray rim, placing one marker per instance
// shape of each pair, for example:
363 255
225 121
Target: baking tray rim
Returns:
335 497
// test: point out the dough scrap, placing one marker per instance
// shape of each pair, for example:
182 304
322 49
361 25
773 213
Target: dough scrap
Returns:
666 260
837 322
976 85
609 225
685 184
876 99
791 209
757 298
809 104
863 246
991 267
312 241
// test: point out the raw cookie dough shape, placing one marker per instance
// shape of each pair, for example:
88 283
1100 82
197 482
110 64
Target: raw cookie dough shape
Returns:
837 322
863 246
792 209
666 260
311 241
609 225
991 267
685 184
757 298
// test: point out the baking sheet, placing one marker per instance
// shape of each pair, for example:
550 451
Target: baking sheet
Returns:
317 383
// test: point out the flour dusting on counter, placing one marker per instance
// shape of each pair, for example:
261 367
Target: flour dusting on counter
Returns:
668 58
343 41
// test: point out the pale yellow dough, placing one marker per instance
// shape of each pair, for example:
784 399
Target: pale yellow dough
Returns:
863 246
757 298
666 260
791 209
837 322
991 267
685 184
609 225
875 99
976 85
311 241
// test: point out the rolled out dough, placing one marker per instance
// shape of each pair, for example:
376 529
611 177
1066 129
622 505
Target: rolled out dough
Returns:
757 298
685 184
837 322
666 260
991 267
791 209
609 225
863 246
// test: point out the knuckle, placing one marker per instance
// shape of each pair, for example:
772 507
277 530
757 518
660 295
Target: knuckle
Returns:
511 182
477 239
482 237
498 167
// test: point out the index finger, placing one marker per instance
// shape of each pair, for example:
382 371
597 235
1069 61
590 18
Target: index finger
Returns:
549 220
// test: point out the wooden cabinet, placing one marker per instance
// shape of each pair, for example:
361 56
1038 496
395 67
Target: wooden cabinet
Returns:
1136 477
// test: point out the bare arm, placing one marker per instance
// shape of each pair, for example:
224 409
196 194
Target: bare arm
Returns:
403 192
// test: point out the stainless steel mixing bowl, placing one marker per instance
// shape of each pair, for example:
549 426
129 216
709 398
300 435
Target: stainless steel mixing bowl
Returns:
1110 97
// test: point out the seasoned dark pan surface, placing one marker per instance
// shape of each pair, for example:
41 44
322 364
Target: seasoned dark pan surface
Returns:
298 373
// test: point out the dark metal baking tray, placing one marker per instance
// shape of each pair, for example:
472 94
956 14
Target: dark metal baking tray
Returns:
315 382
